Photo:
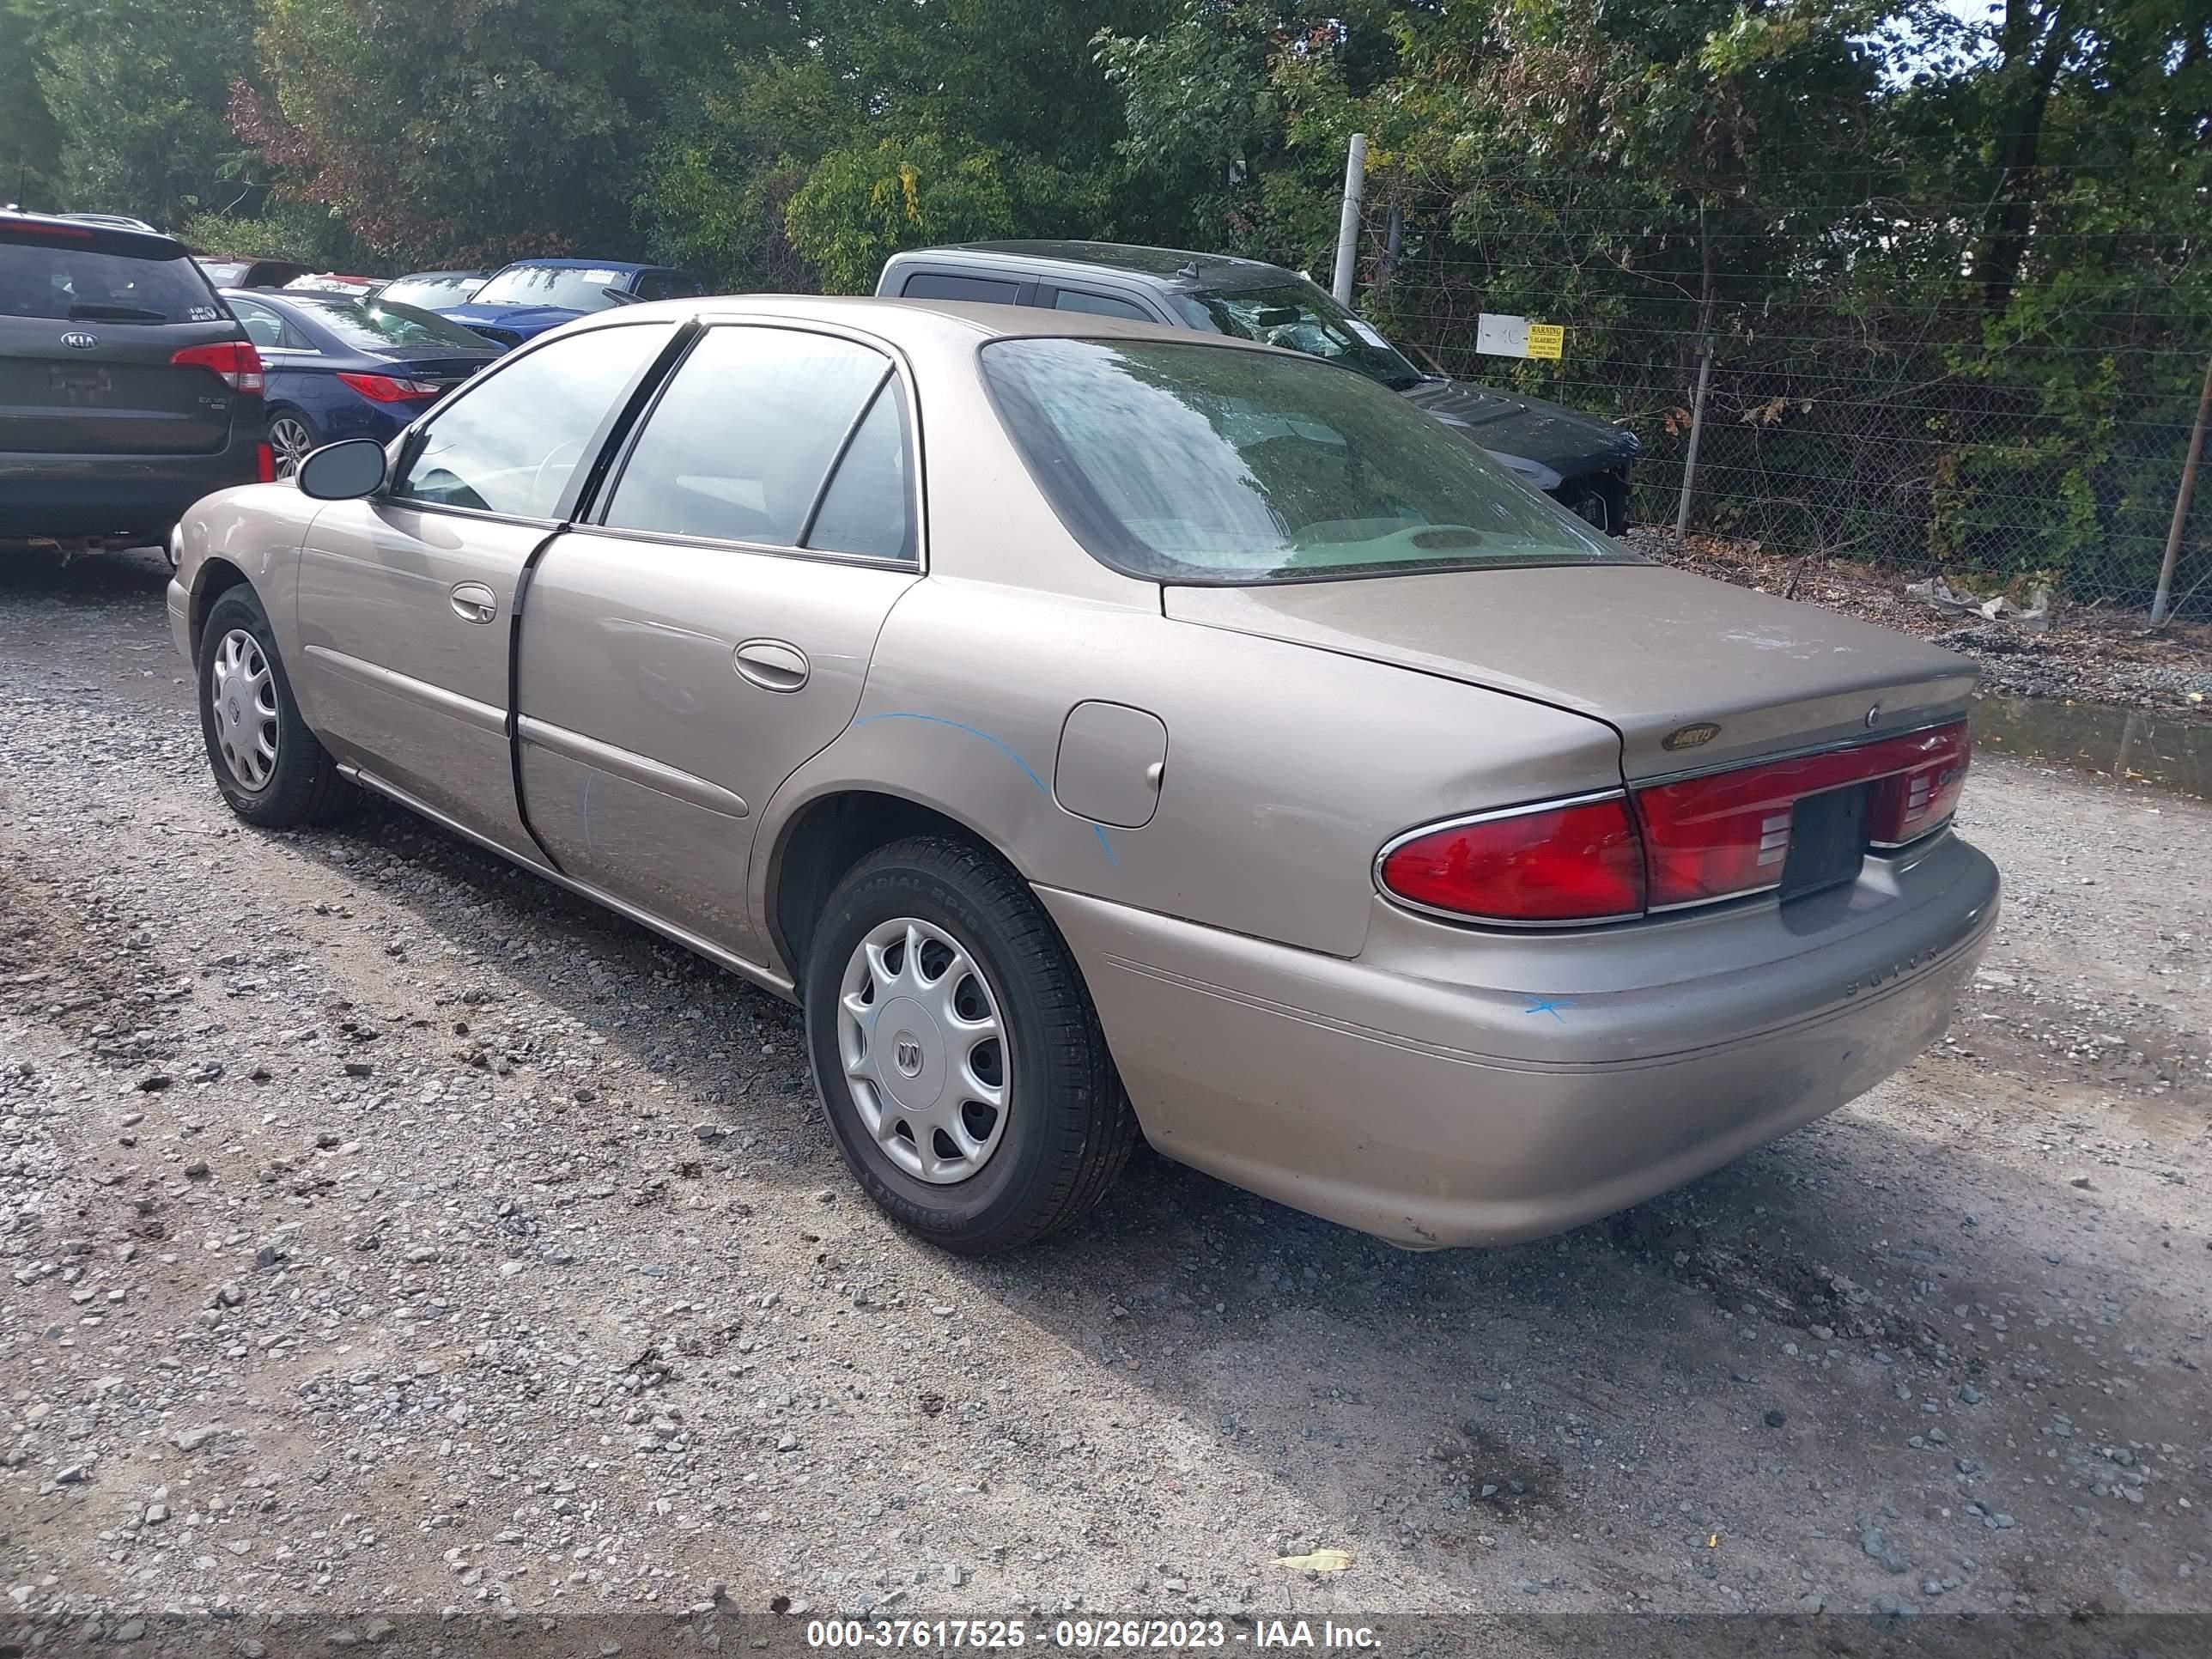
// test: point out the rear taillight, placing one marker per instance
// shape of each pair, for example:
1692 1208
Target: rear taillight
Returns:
1728 834
235 361
1566 861
1724 835
1909 803
384 389
264 463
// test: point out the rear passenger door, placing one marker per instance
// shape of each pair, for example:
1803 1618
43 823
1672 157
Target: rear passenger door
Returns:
709 628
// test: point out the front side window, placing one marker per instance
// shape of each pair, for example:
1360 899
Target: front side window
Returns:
510 443
567 288
667 285
1299 316
1215 464
737 449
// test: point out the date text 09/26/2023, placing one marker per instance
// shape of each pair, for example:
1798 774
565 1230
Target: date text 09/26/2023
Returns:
1091 1635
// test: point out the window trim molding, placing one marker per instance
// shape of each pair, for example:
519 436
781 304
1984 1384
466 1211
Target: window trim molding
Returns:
622 409
591 517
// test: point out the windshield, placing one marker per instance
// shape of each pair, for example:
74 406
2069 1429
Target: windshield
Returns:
564 286
1211 464
377 324
432 291
42 275
1299 317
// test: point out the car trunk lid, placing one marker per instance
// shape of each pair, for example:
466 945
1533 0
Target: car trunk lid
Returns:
1695 674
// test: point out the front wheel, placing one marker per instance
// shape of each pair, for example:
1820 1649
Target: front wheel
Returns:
956 1051
270 768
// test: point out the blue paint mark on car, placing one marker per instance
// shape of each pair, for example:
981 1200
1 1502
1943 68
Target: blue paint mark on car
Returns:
1548 1006
1004 747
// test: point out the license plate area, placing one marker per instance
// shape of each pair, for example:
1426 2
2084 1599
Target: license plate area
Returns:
1827 840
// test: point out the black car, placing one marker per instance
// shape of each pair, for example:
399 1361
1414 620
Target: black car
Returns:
1580 461
127 389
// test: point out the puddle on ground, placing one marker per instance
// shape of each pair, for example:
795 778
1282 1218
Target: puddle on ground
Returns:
2170 754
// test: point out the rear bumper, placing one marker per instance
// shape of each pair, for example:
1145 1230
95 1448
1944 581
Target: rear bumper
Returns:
135 497
1404 1100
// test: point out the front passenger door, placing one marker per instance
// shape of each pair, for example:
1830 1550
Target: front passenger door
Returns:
406 598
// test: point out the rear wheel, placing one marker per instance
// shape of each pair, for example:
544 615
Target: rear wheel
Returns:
292 438
956 1054
270 767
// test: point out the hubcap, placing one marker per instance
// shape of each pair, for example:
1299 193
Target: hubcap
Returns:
924 1050
243 698
291 443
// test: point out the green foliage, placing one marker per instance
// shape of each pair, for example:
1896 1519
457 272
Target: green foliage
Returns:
137 91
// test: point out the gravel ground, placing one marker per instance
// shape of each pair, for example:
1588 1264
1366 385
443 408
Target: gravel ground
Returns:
387 1232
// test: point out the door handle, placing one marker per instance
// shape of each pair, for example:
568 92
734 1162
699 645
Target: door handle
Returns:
771 665
474 602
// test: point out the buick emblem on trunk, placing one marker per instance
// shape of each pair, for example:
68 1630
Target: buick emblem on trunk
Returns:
1690 737
80 341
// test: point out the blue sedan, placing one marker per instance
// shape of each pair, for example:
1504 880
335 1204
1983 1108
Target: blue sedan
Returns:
342 368
523 300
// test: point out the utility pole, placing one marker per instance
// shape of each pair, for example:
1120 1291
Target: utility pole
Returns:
1347 224
2180 499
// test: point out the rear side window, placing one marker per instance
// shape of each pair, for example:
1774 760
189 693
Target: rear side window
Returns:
1097 305
43 274
939 285
266 329
511 443
738 446
869 505
1211 464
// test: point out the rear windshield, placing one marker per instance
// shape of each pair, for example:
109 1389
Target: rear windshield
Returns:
548 285
41 275
1299 316
378 325
1203 463
432 290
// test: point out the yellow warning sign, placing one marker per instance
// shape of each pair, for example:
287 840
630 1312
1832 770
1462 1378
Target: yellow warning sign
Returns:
1546 340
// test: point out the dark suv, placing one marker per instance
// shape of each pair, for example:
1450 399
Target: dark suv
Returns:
1581 462
127 389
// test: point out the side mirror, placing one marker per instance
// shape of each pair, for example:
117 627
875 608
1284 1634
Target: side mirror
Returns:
343 471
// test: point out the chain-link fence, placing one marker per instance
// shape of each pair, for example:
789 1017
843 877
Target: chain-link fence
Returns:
2040 447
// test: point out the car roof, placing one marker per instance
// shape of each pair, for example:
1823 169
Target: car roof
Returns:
1178 268
584 265
473 271
922 324
103 235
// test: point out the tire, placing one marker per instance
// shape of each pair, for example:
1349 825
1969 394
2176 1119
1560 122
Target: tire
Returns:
1064 1129
297 439
302 784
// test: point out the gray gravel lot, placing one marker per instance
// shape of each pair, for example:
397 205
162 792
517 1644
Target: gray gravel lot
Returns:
386 1231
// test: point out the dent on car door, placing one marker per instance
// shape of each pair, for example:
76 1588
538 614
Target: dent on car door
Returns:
405 597
684 656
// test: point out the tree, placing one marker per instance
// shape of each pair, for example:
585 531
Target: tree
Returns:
137 91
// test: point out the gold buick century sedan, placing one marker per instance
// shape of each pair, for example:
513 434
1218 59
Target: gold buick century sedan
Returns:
1101 730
